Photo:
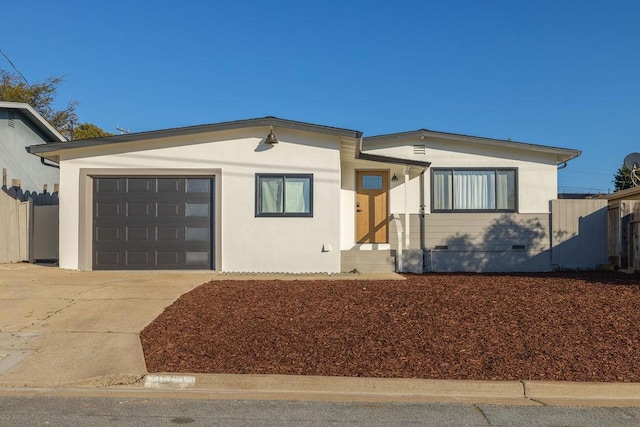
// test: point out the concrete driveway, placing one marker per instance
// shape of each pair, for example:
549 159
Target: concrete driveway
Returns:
61 327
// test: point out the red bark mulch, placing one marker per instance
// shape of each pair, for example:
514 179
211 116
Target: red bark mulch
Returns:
556 326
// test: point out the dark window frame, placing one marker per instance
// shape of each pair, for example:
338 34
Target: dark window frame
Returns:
469 169
283 214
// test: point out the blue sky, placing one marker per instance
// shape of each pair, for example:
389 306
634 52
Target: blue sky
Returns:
560 73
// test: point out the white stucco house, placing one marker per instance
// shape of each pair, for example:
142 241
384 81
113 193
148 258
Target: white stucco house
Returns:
276 195
20 127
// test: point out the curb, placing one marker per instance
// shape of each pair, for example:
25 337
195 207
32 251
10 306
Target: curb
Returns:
299 386
581 390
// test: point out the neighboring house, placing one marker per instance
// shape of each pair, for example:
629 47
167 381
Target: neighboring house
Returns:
20 127
275 195
623 228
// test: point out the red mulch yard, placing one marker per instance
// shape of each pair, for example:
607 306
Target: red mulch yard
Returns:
556 326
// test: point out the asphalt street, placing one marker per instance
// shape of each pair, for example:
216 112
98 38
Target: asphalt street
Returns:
100 411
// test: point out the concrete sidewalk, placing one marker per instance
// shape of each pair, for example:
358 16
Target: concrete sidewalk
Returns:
72 333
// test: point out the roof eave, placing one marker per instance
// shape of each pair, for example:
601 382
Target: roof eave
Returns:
192 130
35 118
562 154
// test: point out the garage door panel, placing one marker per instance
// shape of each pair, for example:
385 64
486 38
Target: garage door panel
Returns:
169 209
170 185
198 185
108 185
165 233
197 258
107 259
107 234
139 209
153 223
139 185
138 258
168 258
108 209
138 234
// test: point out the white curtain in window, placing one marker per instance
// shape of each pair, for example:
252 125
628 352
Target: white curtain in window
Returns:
271 195
297 195
474 190
442 190
505 190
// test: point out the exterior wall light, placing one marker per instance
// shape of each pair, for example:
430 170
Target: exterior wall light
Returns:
271 138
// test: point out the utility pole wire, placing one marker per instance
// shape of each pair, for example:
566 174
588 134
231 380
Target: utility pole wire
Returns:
15 68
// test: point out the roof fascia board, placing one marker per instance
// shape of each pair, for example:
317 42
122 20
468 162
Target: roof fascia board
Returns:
191 130
35 118
565 153
621 194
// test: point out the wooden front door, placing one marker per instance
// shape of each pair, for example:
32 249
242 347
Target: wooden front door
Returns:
372 207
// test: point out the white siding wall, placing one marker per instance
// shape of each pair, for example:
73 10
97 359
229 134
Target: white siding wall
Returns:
247 243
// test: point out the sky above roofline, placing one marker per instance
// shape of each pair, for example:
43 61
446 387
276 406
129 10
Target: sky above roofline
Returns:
562 74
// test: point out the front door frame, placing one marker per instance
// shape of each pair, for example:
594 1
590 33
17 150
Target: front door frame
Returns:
386 190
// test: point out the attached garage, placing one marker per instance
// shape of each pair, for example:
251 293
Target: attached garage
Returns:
152 223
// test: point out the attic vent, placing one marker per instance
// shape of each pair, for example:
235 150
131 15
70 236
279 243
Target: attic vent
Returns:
12 118
419 149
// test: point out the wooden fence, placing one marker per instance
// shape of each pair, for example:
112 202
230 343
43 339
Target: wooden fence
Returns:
28 225
578 233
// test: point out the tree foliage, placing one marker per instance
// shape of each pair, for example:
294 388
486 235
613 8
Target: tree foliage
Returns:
42 96
89 131
622 178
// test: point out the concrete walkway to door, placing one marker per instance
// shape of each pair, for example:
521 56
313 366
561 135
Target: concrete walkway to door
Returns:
64 327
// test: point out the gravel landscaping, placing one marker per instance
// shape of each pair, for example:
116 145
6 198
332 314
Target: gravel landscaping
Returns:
557 326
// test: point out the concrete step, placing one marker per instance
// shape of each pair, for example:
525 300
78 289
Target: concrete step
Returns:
367 261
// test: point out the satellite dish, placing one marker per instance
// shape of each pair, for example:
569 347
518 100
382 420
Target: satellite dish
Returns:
632 162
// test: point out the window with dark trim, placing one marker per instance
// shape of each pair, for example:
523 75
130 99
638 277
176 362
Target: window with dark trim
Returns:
474 190
284 195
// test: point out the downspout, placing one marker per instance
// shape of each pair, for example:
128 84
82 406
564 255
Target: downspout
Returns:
562 165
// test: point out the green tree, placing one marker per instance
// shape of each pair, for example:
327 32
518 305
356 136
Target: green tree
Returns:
41 96
622 178
89 131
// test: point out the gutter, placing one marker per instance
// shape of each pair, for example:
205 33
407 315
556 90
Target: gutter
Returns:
48 164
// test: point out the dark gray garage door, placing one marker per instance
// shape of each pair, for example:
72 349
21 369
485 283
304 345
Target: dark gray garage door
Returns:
152 223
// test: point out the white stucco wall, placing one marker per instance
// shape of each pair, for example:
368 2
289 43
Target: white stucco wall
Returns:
18 162
537 171
247 243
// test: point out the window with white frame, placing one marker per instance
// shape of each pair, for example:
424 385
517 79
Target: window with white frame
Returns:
284 195
482 190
